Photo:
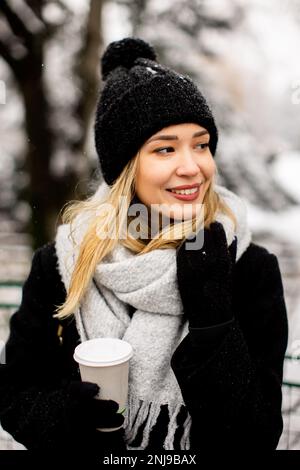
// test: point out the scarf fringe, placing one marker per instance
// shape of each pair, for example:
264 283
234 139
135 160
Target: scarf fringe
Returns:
172 426
146 413
185 440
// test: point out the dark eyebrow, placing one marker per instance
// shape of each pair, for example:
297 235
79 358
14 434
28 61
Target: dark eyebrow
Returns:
174 137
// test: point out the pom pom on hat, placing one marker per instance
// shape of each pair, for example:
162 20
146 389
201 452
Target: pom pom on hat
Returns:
125 52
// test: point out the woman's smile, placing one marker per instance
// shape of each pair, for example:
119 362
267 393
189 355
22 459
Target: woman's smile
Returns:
186 194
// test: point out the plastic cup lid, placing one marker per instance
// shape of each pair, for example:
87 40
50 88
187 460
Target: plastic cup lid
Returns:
101 352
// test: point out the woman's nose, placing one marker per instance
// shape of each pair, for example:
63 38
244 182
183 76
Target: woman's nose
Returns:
188 165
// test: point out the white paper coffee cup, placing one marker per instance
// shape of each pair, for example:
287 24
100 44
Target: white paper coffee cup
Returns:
105 361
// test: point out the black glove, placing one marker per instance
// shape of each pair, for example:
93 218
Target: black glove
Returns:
205 279
64 419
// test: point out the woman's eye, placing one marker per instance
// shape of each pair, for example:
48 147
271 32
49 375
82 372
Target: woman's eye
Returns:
203 145
159 150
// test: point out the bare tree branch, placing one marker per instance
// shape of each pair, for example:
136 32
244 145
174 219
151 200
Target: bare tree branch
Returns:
87 65
50 29
16 24
5 53
36 7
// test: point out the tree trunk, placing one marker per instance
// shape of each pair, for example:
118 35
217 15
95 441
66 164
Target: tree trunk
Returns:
47 193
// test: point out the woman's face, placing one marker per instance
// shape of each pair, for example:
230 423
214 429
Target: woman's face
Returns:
177 155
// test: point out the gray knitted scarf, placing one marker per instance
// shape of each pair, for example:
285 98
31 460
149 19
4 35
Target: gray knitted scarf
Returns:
149 284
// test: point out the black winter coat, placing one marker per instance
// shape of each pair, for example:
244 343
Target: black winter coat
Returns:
230 378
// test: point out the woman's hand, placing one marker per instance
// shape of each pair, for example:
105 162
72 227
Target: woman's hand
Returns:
92 412
89 412
205 279
67 418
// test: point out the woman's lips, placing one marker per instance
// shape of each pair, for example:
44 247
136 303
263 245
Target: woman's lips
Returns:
186 197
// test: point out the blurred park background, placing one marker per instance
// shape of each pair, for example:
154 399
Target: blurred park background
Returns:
243 54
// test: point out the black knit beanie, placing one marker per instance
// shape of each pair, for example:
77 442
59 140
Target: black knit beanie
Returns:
139 98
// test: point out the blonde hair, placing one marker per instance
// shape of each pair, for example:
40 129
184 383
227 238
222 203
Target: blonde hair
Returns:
93 248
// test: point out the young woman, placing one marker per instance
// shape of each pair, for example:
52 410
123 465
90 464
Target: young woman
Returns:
202 306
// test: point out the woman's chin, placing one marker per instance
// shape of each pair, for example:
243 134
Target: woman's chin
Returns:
182 212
